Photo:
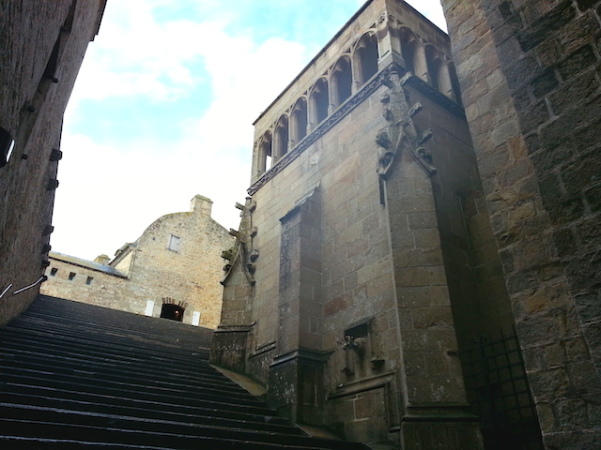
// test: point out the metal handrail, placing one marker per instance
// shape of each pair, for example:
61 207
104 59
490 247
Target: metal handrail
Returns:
6 290
40 280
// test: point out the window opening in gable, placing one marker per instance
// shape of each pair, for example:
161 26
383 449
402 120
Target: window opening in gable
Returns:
53 271
71 276
89 280
174 243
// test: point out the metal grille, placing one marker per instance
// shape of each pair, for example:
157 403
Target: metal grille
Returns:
498 389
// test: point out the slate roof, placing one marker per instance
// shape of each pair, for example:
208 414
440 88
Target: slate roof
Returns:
86 264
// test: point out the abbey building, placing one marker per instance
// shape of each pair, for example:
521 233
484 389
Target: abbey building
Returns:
395 277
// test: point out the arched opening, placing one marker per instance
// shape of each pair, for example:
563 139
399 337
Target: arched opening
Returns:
281 137
265 153
319 102
367 57
299 120
342 80
434 63
408 48
172 310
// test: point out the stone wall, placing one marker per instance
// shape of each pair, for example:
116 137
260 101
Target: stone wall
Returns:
353 261
154 268
79 282
43 44
529 76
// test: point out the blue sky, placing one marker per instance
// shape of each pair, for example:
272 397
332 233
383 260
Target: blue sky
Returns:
163 108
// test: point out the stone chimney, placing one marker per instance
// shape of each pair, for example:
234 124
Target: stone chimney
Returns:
102 259
202 205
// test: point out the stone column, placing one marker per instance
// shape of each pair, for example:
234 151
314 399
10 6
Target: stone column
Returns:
421 64
444 80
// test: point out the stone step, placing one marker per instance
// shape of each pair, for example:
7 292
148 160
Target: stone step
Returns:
47 396
56 424
154 412
77 376
22 358
150 379
181 397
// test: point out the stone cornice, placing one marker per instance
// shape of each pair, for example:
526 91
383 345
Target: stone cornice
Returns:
382 78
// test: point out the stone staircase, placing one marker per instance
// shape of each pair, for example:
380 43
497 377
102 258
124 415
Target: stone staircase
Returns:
77 376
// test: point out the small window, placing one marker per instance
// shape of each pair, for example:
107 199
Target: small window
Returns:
174 243
71 276
89 280
53 271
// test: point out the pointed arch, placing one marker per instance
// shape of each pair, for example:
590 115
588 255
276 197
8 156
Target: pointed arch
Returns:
265 153
281 137
366 58
408 48
342 81
319 101
299 120
435 64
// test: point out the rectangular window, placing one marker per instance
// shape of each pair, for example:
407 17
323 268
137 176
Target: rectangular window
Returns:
53 271
71 276
174 242
89 280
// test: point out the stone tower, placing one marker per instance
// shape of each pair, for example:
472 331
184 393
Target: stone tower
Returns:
365 263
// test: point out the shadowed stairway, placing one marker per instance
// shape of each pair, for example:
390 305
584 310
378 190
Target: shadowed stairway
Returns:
79 376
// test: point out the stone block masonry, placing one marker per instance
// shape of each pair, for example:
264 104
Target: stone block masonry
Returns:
43 45
538 151
177 259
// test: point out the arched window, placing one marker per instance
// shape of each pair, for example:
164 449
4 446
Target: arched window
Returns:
434 63
319 102
408 45
265 153
299 120
342 80
281 138
366 54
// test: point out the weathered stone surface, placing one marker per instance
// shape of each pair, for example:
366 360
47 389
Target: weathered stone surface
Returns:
152 270
550 282
31 111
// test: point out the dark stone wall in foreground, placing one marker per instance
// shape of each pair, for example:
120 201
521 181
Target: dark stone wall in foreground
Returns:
43 45
529 72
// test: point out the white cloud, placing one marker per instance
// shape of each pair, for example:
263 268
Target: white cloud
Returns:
109 194
432 10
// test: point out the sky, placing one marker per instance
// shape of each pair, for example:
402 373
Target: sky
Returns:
163 108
